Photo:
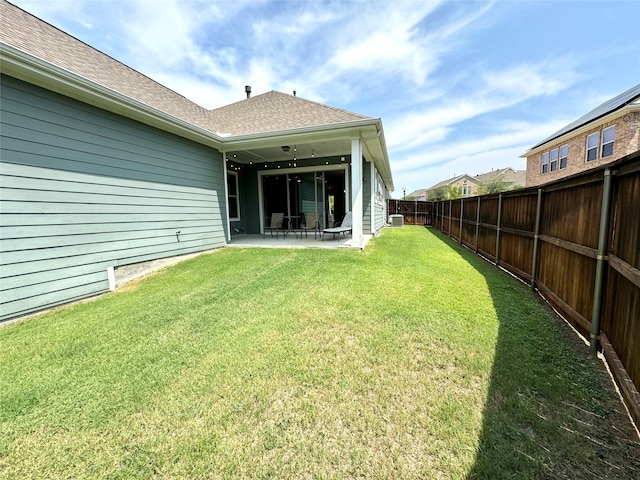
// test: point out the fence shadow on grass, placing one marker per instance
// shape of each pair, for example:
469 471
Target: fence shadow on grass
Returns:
551 410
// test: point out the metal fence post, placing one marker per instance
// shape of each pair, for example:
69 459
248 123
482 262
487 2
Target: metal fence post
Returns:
601 262
477 223
461 215
536 234
498 230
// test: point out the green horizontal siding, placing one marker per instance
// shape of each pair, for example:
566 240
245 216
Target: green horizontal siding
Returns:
380 215
82 190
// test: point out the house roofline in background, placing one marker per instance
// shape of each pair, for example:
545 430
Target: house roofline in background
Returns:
620 105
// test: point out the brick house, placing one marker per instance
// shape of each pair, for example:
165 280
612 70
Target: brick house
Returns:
606 133
467 183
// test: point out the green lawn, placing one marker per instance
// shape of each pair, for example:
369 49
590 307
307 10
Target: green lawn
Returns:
411 359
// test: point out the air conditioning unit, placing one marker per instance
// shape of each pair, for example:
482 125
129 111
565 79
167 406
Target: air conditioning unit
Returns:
396 220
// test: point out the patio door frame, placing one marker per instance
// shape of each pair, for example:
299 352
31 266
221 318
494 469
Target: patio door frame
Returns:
297 170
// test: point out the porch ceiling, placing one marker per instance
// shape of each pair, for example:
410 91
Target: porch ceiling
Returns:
318 142
332 148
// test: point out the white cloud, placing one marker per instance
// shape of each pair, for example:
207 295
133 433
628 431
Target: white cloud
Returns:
422 168
446 102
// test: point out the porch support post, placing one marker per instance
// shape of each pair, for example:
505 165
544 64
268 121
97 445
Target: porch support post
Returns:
356 192
226 197
372 197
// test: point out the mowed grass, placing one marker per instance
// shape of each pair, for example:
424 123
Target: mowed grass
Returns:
411 359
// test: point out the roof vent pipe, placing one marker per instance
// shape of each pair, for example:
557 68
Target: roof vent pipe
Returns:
247 90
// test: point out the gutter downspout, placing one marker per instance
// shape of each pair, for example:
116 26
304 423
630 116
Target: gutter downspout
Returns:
601 262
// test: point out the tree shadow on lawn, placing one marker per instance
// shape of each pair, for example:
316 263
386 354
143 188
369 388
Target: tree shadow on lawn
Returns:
551 411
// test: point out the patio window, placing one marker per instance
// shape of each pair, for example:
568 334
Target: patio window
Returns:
564 156
233 199
607 141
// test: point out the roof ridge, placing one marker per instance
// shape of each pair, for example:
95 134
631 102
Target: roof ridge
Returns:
297 98
278 111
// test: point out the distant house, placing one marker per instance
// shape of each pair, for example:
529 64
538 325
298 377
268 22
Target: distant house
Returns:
465 182
471 185
103 167
507 177
606 133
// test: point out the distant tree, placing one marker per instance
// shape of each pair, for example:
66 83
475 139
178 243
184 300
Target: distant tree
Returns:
410 197
437 194
496 185
450 192
454 192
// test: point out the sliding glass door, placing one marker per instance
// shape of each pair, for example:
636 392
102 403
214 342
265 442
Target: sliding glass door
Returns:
296 194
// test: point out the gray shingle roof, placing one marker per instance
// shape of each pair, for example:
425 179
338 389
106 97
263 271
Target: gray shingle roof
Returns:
275 111
269 112
601 110
22 30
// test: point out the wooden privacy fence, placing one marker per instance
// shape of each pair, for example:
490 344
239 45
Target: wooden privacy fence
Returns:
577 241
415 212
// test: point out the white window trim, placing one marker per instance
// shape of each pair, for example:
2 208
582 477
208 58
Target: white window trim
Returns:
544 163
586 157
553 161
237 197
561 157
602 144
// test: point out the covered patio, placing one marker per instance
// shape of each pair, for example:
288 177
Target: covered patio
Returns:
285 155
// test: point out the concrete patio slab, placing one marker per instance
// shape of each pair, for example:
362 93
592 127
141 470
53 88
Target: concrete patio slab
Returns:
295 241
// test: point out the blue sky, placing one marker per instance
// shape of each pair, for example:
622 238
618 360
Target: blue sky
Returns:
461 86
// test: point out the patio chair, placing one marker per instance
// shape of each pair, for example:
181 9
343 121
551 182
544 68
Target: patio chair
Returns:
311 222
276 224
345 226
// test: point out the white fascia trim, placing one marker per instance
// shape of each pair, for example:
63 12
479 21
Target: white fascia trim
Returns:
381 161
27 67
333 131
631 107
